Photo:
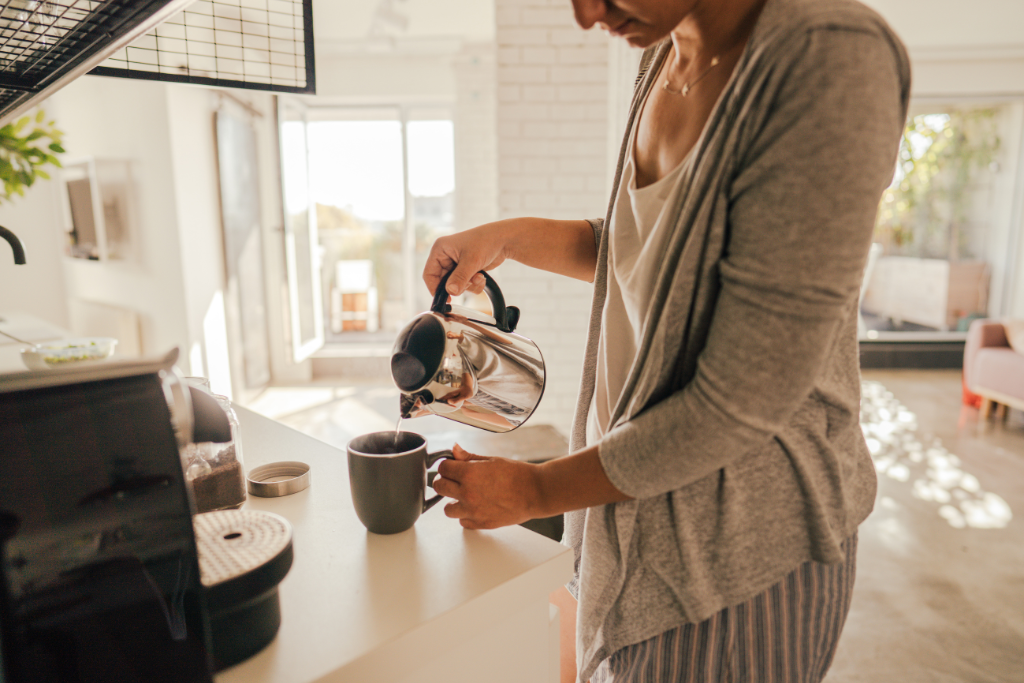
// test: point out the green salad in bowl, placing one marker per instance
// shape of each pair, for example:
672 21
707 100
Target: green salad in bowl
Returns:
65 352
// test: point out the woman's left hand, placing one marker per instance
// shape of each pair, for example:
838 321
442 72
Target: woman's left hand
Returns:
488 492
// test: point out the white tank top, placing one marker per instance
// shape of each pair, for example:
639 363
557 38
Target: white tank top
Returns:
637 237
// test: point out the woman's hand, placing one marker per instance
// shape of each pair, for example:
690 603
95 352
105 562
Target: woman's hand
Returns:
494 492
470 251
563 247
488 492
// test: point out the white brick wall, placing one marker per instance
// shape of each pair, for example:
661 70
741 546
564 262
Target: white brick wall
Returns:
476 141
552 119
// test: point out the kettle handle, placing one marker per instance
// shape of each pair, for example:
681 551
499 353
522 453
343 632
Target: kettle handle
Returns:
505 317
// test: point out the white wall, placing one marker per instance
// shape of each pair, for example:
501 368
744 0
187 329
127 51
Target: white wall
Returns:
166 132
476 143
962 49
352 76
954 23
346 20
192 139
552 151
38 286
128 120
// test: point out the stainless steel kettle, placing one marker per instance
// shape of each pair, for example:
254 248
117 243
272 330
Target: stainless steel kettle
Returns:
463 365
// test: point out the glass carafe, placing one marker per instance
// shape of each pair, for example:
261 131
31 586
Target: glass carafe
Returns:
215 472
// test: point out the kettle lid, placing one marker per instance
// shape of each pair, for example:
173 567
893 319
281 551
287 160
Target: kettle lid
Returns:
418 352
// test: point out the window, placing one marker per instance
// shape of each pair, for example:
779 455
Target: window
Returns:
382 183
942 235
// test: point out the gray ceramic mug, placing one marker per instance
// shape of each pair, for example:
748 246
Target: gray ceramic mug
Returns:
388 477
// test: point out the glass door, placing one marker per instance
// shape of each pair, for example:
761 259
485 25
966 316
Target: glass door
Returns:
302 252
381 184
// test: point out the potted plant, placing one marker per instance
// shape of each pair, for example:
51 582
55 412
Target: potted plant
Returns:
27 146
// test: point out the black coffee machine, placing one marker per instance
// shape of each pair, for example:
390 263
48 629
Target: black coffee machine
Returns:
98 558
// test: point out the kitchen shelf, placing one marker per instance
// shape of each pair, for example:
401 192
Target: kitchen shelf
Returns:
44 45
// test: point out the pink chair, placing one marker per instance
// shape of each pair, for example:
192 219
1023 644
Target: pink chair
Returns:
992 369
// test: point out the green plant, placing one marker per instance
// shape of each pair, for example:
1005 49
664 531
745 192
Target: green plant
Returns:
943 158
24 153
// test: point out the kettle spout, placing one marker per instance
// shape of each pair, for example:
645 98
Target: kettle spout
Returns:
16 247
409 404
406 404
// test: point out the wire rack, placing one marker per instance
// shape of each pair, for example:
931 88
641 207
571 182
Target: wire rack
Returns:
255 44
43 42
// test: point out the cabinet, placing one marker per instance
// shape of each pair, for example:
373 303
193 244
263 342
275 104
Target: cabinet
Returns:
930 292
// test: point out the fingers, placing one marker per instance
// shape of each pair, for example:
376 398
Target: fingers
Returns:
461 453
465 272
463 280
439 262
477 283
458 511
449 488
456 469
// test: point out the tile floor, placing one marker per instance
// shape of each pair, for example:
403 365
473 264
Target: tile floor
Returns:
940 585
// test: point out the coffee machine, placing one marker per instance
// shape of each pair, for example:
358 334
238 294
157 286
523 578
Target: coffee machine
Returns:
99 577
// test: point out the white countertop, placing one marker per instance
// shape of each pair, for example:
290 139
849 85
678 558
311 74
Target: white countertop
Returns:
361 607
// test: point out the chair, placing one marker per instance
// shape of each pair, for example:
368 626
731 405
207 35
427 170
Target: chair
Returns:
992 369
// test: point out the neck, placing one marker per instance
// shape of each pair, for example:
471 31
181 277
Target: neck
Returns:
715 28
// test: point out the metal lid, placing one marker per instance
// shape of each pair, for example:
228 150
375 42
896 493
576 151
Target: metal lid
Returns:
278 479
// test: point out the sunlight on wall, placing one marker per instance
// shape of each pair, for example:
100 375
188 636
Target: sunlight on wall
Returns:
195 361
431 158
215 338
891 433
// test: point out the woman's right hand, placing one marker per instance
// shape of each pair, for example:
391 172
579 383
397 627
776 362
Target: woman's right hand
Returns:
482 248
557 246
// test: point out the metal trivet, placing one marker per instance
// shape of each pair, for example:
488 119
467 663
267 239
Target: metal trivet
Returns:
234 542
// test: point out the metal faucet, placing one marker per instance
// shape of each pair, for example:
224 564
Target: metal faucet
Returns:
19 251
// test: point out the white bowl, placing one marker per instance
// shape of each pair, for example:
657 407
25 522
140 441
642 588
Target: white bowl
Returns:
65 352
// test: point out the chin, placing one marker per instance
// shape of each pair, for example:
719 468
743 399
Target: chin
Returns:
640 40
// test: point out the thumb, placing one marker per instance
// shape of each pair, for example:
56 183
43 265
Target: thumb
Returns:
461 453
459 280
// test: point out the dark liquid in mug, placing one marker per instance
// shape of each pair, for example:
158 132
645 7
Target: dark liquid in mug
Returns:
391 450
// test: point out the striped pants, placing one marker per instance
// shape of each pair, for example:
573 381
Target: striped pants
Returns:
787 634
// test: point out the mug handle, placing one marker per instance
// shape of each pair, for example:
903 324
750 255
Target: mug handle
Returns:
432 474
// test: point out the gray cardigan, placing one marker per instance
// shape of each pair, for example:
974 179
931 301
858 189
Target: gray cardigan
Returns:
737 432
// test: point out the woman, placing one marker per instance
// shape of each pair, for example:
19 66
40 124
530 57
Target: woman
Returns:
717 472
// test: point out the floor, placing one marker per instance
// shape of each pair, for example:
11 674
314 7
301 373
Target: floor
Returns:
940 585
940 576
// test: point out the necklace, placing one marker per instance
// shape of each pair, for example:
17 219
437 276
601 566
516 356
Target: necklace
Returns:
685 90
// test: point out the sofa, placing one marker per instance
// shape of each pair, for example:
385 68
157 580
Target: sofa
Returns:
993 371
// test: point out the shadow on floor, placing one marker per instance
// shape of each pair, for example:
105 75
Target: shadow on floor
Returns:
940 592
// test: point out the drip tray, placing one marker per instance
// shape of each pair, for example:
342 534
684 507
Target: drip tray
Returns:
243 556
